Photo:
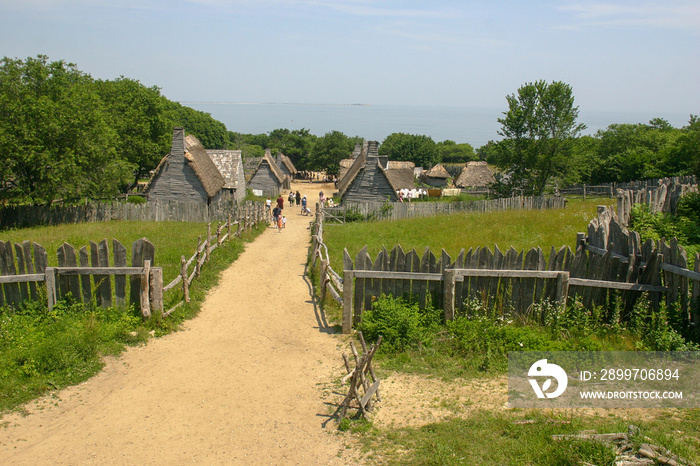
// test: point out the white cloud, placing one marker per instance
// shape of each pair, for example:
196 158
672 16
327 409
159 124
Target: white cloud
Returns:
679 14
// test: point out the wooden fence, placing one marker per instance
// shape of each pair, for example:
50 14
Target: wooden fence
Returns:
403 210
664 198
610 189
25 279
177 211
609 263
25 274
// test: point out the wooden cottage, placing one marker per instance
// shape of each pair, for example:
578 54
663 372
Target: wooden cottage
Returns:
230 165
437 176
345 164
474 175
268 177
187 173
287 168
372 178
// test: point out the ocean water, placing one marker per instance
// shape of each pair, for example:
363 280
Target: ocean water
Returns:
476 126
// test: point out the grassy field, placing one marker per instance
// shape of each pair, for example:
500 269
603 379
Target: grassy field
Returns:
475 348
41 350
518 228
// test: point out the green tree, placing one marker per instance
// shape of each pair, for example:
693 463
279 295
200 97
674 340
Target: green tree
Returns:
210 132
57 143
415 148
139 116
538 132
451 152
329 150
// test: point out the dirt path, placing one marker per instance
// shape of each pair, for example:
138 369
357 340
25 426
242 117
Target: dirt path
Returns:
242 383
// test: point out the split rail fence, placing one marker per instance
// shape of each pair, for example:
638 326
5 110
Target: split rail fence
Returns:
609 263
26 275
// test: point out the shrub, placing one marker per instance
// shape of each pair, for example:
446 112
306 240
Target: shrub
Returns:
402 325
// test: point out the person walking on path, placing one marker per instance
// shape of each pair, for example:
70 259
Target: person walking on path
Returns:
276 213
298 198
280 202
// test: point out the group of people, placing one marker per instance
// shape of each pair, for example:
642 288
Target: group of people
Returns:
279 220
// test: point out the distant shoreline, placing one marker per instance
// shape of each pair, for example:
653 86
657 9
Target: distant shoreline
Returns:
191 102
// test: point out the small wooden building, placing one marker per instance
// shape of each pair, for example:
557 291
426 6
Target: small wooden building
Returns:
437 176
230 165
372 178
187 173
268 177
474 175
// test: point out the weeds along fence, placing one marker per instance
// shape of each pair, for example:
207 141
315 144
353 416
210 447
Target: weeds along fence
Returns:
88 276
403 210
158 211
609 264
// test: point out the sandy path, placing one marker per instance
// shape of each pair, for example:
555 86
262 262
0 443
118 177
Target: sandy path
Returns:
242 383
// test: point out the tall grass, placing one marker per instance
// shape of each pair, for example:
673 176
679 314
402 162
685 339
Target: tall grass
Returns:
518 228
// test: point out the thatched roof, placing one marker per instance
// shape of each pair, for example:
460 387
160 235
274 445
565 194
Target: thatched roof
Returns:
203 167
474 174
229 163
287 163
345 181
402 176
197 158
438 171
273 166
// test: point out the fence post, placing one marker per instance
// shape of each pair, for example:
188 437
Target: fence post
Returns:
50 286
228 226
218 234
183 274
695 299
197 257
323 278
156 291
145 289
449 281
348 293
206 249
562 290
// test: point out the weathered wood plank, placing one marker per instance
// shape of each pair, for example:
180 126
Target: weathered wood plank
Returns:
27 253
105 281
85 279
120 260
23 289
141 250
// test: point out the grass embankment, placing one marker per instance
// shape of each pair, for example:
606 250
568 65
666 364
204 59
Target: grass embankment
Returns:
476 344
41 351
518 228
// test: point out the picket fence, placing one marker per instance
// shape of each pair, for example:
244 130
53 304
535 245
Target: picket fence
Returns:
609 263
403 210
87 274
158 211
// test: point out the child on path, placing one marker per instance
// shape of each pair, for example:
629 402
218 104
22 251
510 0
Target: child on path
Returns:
284 221
279 223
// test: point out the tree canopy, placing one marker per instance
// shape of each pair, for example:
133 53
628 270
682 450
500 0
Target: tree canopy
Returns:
538 130
415 148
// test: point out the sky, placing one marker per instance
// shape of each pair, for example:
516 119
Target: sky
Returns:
617 55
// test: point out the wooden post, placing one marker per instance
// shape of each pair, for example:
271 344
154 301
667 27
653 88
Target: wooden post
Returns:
218 234
197 256
183 274
145 290
323 279
449 283
228 227
50 286
206 249
348 293
156 290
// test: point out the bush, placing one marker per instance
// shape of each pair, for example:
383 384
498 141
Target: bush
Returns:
402 325
136 200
